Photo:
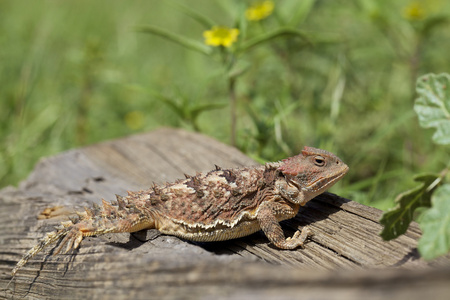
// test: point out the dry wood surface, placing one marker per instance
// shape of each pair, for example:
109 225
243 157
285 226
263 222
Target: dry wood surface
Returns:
345 258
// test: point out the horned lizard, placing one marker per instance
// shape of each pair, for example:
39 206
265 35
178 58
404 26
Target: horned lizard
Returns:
218 205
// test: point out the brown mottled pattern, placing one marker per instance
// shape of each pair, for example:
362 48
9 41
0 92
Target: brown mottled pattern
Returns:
216 195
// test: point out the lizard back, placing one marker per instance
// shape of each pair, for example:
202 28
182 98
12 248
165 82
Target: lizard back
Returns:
218 196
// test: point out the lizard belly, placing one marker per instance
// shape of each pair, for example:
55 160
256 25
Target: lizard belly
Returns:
212 234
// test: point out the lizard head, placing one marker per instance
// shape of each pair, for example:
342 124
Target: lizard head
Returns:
313 171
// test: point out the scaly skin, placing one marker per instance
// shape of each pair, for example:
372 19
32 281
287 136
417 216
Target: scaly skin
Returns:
214 206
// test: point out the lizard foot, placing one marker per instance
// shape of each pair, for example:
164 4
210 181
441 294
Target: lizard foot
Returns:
71 240
298 239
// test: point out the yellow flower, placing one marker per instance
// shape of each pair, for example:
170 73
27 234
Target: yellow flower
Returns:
414 11
259 10
221 36
134 120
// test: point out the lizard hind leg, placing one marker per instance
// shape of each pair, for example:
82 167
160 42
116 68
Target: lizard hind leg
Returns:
108 218
70 237
50 238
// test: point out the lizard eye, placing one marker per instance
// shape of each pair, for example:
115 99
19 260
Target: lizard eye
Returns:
319 161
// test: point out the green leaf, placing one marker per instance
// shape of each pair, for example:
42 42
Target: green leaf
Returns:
181 40
302 11
433 105
239 68
172 103
397 220
202 107
194 14
185 109
435 224
264 38
434 22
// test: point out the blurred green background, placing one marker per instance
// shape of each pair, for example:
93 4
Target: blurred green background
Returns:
77 72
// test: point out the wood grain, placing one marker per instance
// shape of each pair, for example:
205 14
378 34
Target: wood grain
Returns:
345 257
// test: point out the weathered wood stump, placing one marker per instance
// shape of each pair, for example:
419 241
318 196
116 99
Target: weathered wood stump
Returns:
345 258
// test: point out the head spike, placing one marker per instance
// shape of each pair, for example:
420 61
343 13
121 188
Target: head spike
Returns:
307 151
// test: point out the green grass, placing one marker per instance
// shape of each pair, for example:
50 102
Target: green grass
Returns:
76 72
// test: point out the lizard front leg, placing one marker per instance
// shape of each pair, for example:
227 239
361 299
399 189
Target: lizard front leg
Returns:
272 229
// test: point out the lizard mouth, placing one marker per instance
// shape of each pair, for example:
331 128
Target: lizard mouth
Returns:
324 183
321 184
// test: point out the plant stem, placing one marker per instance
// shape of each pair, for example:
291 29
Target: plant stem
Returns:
228 61
232 94
439 179
82 111
415 59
